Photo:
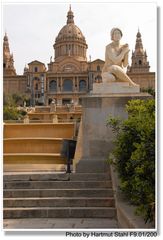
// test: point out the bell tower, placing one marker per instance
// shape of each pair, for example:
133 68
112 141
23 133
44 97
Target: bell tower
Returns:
8 60
139 58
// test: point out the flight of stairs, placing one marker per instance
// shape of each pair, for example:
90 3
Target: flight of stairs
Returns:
35 146
54 195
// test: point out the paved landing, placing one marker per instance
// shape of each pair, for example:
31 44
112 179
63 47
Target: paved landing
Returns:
60 223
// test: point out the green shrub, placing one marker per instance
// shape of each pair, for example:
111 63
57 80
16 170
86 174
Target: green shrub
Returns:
10 103
10 113
134 155
15 99
22 113
149 90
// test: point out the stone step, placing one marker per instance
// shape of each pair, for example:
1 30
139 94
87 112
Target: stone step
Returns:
33 158
32 145
19 168
63 212
59 202
45 176
39 130
90 176
89 192
56 184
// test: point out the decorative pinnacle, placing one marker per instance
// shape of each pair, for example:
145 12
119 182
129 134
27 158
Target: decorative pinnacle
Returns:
6 37
70 16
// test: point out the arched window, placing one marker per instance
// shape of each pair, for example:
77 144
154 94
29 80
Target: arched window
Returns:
67 85
4 65
82 85
140 62
36 69
53 86
98 68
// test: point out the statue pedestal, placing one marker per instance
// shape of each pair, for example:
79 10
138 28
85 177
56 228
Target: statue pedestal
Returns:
96 138
114 87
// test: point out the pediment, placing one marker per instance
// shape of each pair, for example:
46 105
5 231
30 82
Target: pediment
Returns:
36 62
98 61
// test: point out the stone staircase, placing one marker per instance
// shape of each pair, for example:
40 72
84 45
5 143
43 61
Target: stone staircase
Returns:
55 113
56 195
35 146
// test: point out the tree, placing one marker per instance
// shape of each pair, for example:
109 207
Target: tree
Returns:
10 111
134 155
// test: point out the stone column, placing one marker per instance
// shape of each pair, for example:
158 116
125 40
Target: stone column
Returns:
61 84
77 83
58 83
59 54
73 80
74 49
87 83
85 52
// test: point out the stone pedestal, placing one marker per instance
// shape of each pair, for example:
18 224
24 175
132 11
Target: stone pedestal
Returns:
114 87
97 138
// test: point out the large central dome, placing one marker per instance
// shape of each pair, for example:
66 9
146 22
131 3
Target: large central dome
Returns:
70 41
70 31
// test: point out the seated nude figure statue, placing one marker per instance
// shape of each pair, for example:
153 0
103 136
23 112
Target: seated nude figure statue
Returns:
116 57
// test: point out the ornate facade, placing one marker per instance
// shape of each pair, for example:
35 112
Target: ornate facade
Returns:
68 75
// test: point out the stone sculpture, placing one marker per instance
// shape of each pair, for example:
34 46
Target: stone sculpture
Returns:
116 58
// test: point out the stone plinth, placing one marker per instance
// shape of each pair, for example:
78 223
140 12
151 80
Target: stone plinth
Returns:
114 87
97 138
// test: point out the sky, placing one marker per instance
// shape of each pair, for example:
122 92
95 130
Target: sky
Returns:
32 28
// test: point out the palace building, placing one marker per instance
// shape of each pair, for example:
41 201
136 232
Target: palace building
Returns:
69 74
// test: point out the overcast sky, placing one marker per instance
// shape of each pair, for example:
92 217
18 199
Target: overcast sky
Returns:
32 28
